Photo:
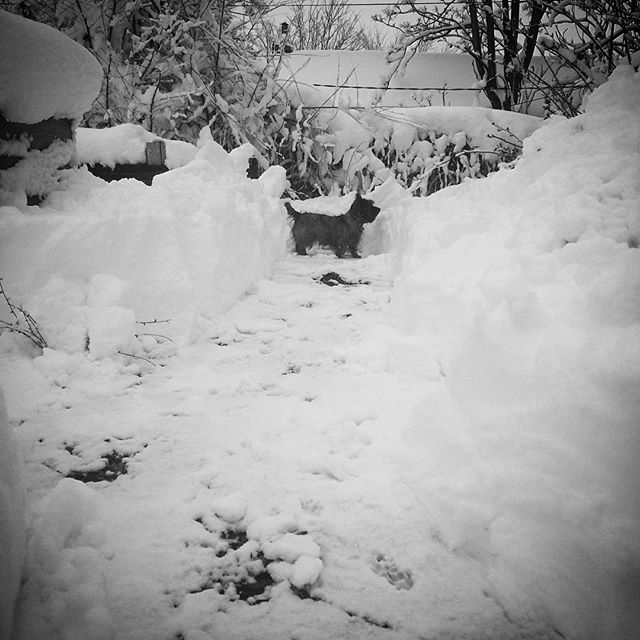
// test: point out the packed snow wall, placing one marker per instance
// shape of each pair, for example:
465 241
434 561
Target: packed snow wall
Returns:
521 294
101 256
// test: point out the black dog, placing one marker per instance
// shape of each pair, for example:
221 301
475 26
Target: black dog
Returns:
338 233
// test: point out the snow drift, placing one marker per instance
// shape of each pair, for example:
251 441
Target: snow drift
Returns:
521 293
102 255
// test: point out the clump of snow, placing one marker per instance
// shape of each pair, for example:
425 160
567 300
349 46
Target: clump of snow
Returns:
36 174
326 205
291 546
267 528
306 571
43 73
102 255
230 508
523 291
12 522
65 544
296 558
125 144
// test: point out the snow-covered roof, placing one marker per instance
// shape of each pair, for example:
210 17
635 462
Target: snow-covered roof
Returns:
43 73
437 79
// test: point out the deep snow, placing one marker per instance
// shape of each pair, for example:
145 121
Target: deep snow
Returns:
447 448
275 425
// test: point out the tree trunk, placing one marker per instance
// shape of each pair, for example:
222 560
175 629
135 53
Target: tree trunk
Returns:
478 56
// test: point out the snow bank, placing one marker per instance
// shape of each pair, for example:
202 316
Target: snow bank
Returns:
65 556
43 73
523 291
101 256
125 144
12 524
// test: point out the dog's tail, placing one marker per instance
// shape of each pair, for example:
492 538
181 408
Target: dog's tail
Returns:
293 214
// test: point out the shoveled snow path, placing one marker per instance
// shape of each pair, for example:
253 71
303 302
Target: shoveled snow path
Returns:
281 419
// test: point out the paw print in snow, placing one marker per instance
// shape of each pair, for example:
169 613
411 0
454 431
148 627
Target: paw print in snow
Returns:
386 567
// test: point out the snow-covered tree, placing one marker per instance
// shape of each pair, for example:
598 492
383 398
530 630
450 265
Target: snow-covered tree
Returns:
177 66
560 49
330 24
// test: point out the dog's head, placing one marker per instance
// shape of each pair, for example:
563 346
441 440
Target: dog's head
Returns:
363 209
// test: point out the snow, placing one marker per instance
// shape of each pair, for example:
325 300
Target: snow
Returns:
122 252
43 73
354 79
445 448
412 141
35 174
437 71
12 521
125 144
526 288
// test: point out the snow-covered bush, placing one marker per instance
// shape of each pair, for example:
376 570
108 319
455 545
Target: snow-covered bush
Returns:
424 149
521 294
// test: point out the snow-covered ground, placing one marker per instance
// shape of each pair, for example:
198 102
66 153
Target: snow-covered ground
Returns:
270 443
444 448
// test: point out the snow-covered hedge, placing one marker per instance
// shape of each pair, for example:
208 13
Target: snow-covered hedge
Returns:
425 149
521 294
101 256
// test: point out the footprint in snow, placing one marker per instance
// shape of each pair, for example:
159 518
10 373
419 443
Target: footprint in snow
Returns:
387 568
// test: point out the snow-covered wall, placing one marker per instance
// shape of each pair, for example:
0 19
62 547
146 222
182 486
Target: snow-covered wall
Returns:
100 256
521 294
43 73
12 522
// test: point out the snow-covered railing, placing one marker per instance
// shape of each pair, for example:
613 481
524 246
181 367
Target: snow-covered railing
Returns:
154 164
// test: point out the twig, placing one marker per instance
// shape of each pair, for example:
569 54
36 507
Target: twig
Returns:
32 331
154 335
131 355
154 321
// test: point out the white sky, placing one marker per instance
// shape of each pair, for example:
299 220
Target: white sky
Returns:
375 6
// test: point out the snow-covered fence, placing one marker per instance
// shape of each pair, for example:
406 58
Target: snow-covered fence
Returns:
153 164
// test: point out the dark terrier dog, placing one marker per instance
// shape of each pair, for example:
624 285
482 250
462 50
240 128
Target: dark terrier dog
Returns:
339 233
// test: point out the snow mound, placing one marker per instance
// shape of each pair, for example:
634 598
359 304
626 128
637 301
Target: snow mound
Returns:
12 522
43 73
523 291
101 256
64 549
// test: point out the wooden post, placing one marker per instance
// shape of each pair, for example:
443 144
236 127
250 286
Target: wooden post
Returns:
155 153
